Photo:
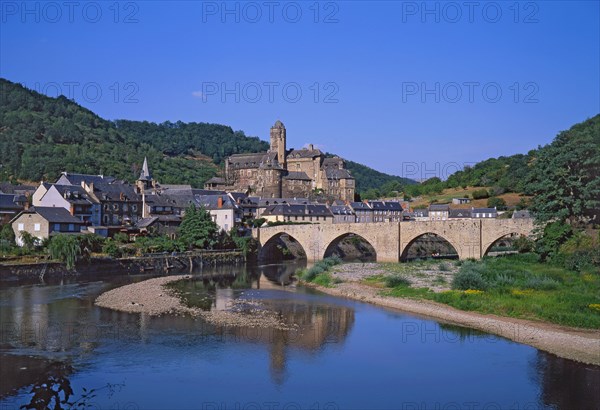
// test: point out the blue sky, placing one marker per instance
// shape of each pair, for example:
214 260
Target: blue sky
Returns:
409 88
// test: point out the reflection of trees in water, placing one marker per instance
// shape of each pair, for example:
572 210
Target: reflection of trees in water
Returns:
566 384
55 392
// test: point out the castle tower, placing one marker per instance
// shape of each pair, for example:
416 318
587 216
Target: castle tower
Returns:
278 143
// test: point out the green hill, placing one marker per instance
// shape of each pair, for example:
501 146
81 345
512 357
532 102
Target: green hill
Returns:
42 136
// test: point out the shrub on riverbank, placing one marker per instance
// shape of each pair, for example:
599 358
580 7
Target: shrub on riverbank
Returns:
520 286
319 272
396 280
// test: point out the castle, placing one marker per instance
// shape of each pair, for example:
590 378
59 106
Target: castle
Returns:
280 173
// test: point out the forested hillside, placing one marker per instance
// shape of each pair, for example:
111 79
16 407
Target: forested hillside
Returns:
41 136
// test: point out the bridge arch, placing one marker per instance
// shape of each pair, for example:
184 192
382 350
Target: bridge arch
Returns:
362 245
492 231
454 248
273 248
488 246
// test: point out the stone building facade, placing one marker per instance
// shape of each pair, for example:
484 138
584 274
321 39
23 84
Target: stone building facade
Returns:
281 173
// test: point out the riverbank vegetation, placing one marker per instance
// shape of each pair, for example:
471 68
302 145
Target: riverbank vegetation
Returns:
320 273
516 286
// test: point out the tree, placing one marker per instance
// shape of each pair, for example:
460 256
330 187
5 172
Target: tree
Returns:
565 177
197 229
28 240
499 203
7 234
66 248
481 194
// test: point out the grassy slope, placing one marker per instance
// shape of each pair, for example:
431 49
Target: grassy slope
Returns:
446 196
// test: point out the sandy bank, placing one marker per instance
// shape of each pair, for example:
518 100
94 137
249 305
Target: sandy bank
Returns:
152 297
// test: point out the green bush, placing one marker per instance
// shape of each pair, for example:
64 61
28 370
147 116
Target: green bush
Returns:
121 237
499 203
393 281
503 280
444 267
541 283
111 248
481 194
468 278
319 268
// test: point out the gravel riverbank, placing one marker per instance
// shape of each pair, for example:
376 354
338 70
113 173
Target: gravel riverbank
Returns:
152 297
582 345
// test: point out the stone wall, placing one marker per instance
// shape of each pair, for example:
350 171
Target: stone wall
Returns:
126 266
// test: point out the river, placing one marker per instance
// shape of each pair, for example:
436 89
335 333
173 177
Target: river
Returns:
340 353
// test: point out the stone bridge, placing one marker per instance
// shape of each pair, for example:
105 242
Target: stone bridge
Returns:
472 238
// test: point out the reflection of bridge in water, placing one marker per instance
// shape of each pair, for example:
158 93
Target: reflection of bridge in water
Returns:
472 238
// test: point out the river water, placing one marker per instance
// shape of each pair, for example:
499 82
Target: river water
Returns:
340 354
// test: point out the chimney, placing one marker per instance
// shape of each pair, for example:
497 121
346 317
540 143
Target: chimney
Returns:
72 210
311 147
219 202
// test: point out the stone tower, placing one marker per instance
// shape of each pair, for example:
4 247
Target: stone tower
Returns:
278 142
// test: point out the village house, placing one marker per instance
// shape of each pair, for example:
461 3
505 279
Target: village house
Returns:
362 211
484 212
459 214
460 201
438 212
386 211
421 214
315 213
11 205
343 214
72 198
522 214
43 222
69 178
223 209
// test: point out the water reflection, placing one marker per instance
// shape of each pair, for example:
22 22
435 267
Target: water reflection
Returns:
343 341
566 384
315 324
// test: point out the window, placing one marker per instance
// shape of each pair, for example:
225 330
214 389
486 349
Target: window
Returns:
106 219
71 227
36 227
21 227
57 227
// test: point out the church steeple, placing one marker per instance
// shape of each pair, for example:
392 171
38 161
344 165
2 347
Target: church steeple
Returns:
145 181
145 175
